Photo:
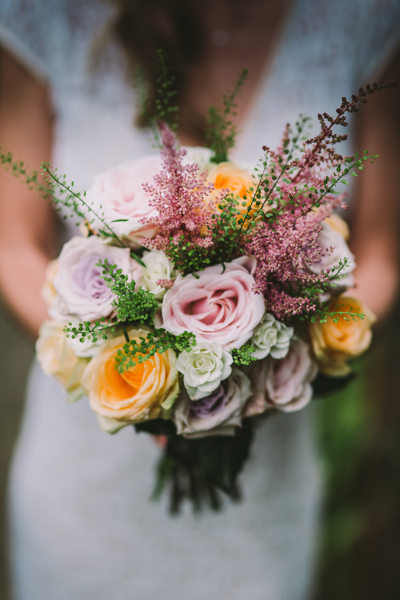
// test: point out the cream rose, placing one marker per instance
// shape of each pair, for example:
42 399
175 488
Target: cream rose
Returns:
282 384
138 394
81 290
157 267
217 414
58 360
335 343
219 306
271 337
203 368
119 198
48 291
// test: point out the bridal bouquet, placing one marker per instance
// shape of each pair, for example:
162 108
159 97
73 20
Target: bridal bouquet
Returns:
205 295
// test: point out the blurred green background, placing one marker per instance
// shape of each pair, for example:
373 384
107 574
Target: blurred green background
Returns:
359 437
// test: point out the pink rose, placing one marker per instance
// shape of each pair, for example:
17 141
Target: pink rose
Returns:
283 384
219 306
118 194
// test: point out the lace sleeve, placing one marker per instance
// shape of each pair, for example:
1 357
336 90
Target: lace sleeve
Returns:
378 38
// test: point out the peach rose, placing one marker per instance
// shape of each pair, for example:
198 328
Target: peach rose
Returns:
58 360
339 225
138 394
335 343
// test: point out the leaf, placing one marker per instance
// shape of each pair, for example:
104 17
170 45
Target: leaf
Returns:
157 427
324 385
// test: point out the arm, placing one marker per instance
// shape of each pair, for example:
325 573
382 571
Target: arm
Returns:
26 221
375 236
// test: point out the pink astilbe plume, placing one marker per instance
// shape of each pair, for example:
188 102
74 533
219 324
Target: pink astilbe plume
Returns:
182 197
284 252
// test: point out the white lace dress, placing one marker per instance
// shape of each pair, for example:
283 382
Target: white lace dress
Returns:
82 527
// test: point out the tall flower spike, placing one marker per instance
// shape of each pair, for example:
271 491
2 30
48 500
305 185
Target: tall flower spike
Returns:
182 197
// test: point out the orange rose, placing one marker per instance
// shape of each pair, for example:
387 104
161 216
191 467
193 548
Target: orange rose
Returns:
227 175
238 181
138 394
58 360
335 343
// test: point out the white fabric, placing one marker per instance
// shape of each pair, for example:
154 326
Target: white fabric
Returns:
81 524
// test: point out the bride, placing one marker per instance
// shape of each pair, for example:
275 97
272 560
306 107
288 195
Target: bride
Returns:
82 527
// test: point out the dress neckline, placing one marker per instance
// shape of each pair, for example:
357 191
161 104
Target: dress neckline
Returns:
259 91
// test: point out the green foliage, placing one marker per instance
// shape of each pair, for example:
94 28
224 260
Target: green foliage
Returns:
138 307
243 356
346 425
322 314
161 107
159 340
89 331
313 291
18 169
221 132
56 188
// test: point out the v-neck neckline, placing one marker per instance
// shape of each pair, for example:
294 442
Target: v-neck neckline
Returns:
254 103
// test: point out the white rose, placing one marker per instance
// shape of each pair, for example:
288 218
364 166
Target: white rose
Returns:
199 156
81 290
271 337
203 368
157 267
217 414
118 197
335 249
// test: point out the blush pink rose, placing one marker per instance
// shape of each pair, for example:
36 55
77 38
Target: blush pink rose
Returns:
118 195
283 384
219 306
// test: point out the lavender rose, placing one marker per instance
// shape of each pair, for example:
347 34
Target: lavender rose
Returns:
219 306
81 291
203 368
217 414
282 384
118 196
